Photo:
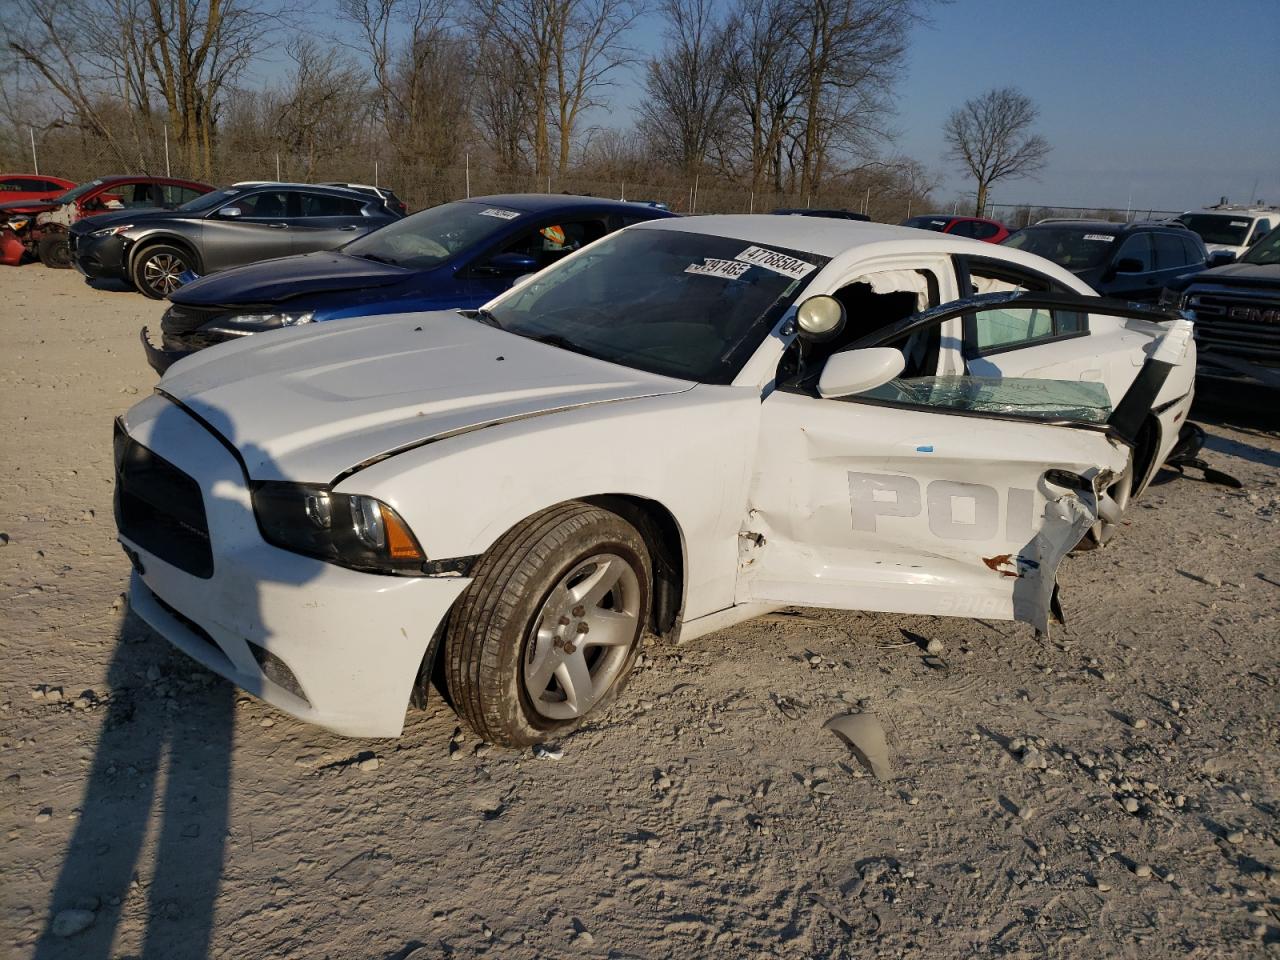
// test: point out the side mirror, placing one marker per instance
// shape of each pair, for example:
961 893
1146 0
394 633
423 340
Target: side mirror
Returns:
230 212
854 371
510 265
820 318
1129 265
1220 258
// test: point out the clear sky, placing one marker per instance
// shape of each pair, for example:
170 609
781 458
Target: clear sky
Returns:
1174 103
1167 103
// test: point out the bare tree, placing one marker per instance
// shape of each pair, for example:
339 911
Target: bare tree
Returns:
765 84
422 69
564 52
589 47
686 86
852 52
990 137
323 106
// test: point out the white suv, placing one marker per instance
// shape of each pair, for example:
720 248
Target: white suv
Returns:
673 429
1230 229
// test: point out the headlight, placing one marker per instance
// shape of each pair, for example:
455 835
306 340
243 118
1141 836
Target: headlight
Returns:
1172 299
347 529
243 324
18 223
112 231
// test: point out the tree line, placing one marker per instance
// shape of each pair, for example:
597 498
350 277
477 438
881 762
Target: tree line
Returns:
768 98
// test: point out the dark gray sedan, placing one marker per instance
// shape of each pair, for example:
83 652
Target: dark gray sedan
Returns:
158 250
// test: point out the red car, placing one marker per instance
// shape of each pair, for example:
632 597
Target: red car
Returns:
31 186
39 227
975 228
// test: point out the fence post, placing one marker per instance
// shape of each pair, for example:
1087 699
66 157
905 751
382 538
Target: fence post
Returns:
35 160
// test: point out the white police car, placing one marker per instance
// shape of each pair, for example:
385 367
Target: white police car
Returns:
676 428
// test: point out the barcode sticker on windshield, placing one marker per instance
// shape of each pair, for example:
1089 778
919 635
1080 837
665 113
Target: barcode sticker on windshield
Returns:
1239 223
1106 237
710 267
499 213
777 262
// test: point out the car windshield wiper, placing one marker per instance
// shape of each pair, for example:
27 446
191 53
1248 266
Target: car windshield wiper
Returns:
556 340
484 316
377 259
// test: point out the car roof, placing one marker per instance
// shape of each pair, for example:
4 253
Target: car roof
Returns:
844 240
131 177
1247 212
1109 226
549 202
828 237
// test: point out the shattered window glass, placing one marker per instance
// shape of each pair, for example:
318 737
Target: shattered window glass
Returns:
1015 396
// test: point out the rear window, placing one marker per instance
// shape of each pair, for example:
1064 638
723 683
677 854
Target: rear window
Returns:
1218 227
1075 248
927 223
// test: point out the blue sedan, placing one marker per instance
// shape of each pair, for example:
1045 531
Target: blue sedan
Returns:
455 256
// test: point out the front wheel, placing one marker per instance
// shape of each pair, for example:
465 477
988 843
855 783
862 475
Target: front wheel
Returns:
549 630
54 251
157 270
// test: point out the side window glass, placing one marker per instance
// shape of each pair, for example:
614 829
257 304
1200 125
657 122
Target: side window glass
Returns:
983 231
1170 253
552 241
963 228
268 204
1005 328
1138 250
327 205
1260 230
1082 401
1192 252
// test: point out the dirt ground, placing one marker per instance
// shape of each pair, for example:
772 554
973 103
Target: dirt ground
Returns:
1112 792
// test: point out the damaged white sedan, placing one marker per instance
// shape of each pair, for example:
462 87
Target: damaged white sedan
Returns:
679 427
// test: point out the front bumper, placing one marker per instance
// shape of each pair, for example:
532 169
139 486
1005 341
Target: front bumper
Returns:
163 357
98 258
328 645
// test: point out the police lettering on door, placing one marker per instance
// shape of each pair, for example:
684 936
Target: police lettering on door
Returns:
956 510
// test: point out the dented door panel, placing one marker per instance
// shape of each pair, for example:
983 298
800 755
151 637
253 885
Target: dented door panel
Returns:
866 507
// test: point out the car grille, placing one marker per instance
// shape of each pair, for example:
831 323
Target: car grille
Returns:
181 318
160 508
1237 323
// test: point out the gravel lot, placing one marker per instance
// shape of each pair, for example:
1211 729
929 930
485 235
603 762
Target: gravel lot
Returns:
1112 792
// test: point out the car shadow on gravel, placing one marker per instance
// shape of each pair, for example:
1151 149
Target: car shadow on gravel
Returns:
158 791
150 841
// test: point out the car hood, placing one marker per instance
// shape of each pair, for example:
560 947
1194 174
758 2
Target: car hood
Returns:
116 218
1246 274
28 206
310 404
273 281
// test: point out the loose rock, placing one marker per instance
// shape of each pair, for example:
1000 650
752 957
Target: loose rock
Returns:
68 923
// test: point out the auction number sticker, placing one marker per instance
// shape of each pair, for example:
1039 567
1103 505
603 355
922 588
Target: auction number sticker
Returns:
1105 237
726 269
499 213
1239 223
777 262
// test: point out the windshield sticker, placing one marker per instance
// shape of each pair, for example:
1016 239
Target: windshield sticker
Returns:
499 213
1105 237
777 262
1239 223
711 267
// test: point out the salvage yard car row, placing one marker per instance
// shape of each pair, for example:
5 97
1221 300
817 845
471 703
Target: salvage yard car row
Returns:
563 425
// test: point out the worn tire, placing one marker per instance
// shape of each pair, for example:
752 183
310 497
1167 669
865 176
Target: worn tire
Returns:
154 263
54 251
489 630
